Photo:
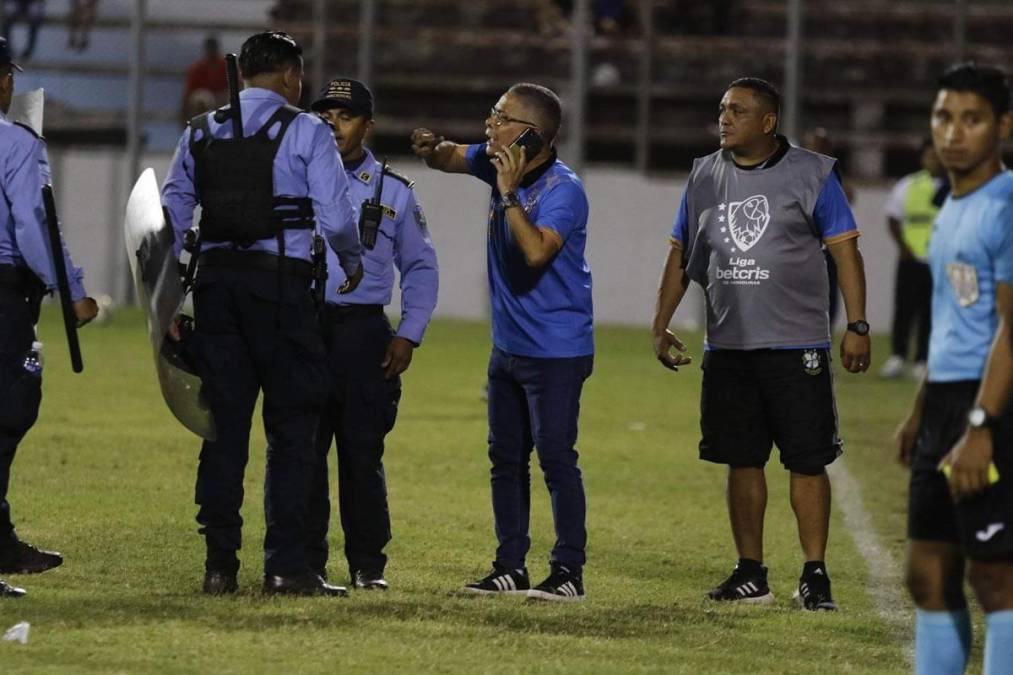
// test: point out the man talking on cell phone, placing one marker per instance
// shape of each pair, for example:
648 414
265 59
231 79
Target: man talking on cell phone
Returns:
543 345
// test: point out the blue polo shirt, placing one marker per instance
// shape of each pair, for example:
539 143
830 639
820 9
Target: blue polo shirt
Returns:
970 252
546 312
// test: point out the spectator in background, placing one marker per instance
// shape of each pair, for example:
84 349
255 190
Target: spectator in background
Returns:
82 18
910 212
207 85
609 17
29 11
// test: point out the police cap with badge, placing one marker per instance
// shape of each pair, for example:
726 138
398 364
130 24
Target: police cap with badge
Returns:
352 95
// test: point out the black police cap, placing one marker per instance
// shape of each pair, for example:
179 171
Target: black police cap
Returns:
343 92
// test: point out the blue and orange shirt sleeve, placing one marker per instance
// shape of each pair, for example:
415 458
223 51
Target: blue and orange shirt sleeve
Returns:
832 213
681 218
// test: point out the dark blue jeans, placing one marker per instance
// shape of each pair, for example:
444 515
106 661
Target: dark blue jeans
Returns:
535 403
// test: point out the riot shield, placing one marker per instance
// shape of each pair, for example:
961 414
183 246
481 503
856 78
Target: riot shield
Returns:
27 109
149 240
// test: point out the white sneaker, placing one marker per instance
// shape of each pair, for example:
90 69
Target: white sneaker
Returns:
893 368
918 371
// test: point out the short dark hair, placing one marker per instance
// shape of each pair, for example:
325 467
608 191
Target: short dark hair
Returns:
765 90
269 52
544 103
989 82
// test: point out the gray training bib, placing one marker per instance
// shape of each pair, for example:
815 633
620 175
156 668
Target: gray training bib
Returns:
752 244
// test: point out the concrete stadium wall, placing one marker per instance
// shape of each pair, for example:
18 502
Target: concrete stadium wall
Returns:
631 217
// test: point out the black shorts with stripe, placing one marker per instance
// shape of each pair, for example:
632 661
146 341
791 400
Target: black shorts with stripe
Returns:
752 400
982 525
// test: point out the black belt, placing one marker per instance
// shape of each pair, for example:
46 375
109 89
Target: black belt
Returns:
342 311
17 278
259 260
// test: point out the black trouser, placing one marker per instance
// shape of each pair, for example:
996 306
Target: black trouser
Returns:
361 409
255 331
20 392
912 305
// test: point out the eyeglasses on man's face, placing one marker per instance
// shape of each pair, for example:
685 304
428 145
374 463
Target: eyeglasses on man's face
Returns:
499 118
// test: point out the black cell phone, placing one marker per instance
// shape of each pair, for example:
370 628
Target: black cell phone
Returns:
530 141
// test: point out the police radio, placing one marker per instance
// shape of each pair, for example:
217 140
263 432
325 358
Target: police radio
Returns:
372 213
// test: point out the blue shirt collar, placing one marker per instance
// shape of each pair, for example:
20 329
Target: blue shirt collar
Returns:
259 94
365 171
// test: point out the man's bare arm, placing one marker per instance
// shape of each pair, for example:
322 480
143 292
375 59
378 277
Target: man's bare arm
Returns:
671 290
439 153
855 349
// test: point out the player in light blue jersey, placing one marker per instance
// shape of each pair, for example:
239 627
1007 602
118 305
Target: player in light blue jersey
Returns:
961 424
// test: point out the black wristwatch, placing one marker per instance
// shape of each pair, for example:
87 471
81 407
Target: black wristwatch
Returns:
509 199
978 418
860 327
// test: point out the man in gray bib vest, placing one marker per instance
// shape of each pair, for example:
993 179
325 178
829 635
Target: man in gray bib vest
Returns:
749 230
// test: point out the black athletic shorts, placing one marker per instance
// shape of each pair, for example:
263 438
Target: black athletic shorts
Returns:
754 399
982 525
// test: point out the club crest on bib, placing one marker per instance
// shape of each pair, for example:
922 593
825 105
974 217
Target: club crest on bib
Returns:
748 220
964 280
811 362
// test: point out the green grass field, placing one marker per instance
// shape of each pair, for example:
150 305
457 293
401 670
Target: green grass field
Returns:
107 477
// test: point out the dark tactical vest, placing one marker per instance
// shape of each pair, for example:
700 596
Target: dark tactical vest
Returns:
235 184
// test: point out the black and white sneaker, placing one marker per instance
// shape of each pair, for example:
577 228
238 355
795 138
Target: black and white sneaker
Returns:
747 586
813 591
563 585
501 581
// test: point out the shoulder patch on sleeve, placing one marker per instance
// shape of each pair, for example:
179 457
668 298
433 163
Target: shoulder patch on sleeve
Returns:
401 177
420 221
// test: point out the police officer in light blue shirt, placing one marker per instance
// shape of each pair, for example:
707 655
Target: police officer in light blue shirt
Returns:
256 328
365 356
26 273
543 344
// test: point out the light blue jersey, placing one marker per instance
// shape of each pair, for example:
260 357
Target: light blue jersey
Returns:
970 252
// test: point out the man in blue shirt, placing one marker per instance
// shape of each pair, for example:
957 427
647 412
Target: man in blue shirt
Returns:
26 273
958 438
262 197
749 230
365 357
542 337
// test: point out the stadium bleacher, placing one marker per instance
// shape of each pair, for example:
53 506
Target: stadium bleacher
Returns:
867 68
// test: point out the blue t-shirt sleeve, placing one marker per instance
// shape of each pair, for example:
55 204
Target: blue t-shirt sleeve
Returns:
479 164
832 213
681 216
563 209
1002 248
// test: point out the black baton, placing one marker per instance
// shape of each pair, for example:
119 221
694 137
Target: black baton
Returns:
232 73
62 284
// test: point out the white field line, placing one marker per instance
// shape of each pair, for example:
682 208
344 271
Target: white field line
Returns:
885 583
